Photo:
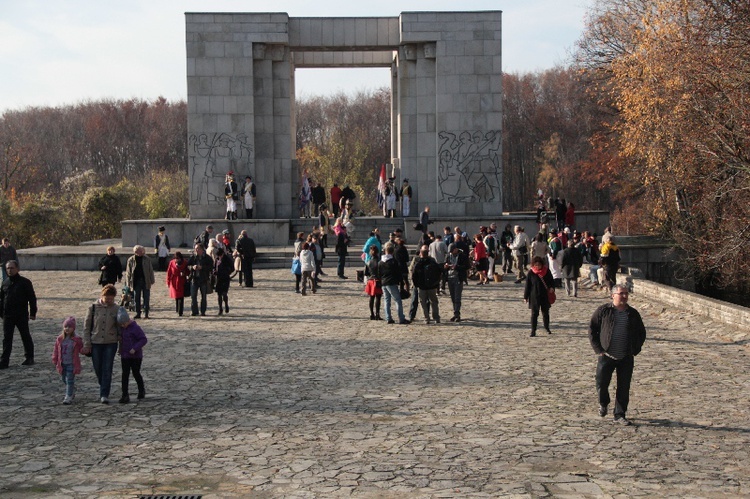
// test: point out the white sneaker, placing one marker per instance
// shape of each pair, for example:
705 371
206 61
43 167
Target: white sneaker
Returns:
67 400
104 400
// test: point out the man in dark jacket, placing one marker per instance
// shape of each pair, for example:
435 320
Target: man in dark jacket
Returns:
456 265
245 246
426 279
318 197
617 334
17 306
201 265
342 250
391 279
205 236
572 261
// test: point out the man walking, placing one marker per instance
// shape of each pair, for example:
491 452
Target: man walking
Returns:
617 334
245 246
17 306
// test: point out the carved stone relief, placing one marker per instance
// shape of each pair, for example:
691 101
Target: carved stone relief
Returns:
469 169
211 156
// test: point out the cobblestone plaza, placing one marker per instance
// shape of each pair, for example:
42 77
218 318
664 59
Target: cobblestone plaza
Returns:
292 396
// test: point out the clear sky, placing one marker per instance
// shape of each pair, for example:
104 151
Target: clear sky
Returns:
58 52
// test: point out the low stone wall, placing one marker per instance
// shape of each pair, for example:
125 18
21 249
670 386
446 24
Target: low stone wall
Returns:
181 232
728 313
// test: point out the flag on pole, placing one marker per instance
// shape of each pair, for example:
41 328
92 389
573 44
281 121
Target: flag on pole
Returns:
381 187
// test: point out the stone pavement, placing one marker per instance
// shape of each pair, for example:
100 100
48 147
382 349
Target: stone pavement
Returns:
293 396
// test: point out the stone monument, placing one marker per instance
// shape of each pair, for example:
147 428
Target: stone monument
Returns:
446 103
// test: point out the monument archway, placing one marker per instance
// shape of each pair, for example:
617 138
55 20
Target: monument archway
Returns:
446 117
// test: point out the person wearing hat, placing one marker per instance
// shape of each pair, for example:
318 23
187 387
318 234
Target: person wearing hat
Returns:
406 194
162 247
232 195
248 196
132 341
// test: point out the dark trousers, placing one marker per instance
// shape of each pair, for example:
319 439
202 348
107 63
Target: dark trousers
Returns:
179 304
135 366
604 369
342 262
248 213
413 304
535 318
103 359
247 272
9 326
428 299
456 289
195 287
140 289
163 263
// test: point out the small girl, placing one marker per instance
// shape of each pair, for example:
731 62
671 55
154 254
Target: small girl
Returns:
66 357
132 340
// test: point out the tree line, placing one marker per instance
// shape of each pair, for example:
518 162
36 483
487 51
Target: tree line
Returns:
649 121
673 76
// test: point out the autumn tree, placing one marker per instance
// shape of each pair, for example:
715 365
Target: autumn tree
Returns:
345 139
677 73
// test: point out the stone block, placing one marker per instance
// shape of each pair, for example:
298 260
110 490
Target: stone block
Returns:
216 104
204 67
224 67
204 104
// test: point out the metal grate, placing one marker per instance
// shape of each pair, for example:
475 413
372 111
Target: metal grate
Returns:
161 496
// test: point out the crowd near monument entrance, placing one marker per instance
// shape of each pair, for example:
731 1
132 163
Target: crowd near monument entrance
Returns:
446 104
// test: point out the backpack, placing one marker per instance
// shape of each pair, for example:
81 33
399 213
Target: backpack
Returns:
489 241
433 272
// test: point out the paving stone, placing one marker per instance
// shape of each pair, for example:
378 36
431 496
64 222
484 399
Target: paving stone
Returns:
298 397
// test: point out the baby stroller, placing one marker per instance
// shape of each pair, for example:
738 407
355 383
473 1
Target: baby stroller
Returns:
127 298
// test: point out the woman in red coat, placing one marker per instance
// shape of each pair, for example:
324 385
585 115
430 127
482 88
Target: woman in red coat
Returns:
570 216
177 274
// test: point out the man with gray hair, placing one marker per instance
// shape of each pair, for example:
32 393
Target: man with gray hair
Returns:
616 333
139 276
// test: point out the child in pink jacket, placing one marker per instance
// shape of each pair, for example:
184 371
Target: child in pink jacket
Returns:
66 356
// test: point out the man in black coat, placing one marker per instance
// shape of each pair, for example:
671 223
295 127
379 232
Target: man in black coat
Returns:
245 246
426 279
17 306
318 197
201 265
617 334
342 250
456 265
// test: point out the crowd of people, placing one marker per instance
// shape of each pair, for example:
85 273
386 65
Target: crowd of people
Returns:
550 262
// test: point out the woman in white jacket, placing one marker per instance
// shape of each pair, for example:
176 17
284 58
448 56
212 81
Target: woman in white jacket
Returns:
307 261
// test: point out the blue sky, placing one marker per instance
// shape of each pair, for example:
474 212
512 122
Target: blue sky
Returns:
65 51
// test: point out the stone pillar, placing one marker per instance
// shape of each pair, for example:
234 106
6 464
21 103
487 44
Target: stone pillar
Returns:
239 108
450 81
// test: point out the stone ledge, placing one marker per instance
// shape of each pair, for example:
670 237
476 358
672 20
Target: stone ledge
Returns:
712 308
